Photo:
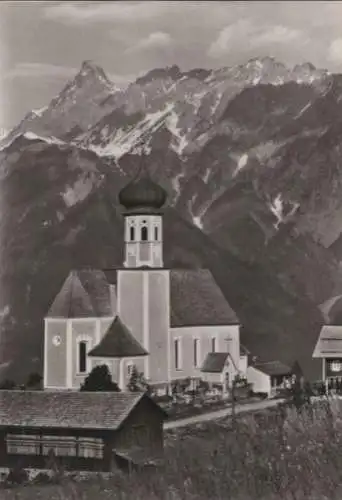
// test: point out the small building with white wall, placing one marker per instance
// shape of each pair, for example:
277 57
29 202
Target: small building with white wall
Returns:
267 378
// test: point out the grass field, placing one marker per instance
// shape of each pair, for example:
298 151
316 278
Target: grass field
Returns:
266 457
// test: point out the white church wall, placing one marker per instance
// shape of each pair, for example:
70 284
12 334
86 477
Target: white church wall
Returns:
157 283
84 329
55 353
143 306
227 339
130 290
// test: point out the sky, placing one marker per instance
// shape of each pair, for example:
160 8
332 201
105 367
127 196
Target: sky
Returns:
43 44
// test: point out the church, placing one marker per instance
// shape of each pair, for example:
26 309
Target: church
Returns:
171 324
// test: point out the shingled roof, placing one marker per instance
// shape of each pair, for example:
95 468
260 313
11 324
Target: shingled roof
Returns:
195 297
118 342
69 409
84 294
329 344
197 300
273 368
214 362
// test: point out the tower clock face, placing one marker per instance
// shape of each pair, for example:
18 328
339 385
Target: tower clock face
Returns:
56 340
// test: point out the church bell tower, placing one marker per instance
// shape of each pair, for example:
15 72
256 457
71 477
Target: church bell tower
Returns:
143 200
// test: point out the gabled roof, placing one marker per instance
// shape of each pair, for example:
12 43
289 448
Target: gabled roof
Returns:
118 342
195 297
67 409
273 368
329 344
214 362
84 294
197 300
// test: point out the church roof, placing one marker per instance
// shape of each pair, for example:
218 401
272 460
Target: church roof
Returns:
197 300
214 362
195 297
67 409
118 342
84 294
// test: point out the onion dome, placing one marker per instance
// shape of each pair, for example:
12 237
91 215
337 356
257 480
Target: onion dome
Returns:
142 193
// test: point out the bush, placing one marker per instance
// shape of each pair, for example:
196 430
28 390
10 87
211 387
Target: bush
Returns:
34 381
99 379
17 475
42 478
7 385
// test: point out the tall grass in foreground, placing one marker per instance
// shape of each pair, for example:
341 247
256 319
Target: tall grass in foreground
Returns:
275 455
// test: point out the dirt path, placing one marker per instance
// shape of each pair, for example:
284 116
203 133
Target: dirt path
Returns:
260 405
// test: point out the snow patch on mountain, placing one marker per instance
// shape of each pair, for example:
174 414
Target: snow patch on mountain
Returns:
176 183
276 207
49 140
206 175
5 312
216 104
31 136
198 218
40 111
172 125
283 211
3 133
78 192
242 162
125 140
307 106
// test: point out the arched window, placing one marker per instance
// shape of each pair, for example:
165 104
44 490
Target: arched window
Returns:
132 233
144 235
82 356
156 233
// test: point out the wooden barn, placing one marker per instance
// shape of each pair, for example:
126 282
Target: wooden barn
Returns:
95 431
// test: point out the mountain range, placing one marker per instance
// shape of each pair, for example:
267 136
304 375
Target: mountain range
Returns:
251 158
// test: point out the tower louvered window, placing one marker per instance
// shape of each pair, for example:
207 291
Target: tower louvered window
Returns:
144 235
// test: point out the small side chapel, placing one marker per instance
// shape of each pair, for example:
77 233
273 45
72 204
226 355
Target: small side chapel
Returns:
164 321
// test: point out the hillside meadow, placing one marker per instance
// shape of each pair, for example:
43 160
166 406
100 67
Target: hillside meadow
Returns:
276 454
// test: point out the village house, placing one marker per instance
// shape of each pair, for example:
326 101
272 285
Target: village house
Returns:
270 377
329 344
97 431
162 321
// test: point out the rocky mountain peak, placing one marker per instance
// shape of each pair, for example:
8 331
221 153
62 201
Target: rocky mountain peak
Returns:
172 72
91 72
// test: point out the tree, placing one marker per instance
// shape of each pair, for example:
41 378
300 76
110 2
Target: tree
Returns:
99 379
137 381
301 393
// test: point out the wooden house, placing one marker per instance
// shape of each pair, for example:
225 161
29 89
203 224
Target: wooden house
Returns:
95 431
329 343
